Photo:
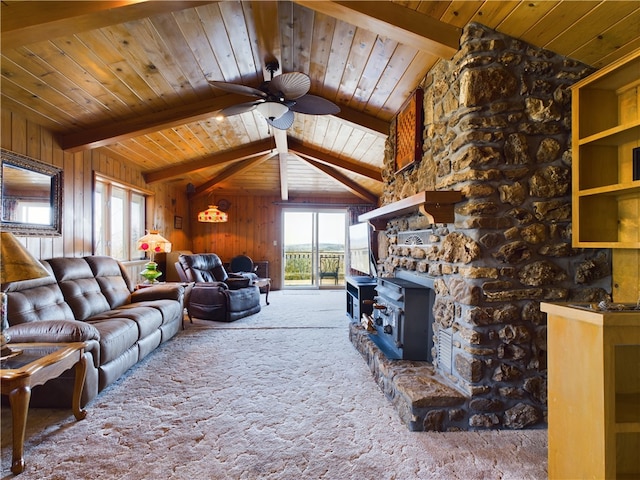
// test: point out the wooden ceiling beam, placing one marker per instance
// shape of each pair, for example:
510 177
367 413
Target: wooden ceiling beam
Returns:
252 150
347 182
394 21
281 139
124 130
230 171
326 158
24 23
363 121
134 127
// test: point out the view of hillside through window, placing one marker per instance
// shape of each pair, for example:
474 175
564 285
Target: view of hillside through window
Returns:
314 243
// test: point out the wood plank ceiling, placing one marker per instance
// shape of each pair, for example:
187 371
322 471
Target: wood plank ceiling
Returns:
130 78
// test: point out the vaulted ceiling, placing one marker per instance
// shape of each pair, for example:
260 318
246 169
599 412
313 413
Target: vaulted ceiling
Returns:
131 78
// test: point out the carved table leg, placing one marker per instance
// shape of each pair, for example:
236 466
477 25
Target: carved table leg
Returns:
81 372
19 400
268 289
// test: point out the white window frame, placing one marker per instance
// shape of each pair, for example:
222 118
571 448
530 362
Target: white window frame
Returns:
103 241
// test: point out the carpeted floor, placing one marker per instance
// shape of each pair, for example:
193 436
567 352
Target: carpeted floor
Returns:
279 395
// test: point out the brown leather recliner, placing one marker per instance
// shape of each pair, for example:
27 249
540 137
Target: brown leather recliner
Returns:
217 295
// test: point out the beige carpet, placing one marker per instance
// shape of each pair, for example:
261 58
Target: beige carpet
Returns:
279 395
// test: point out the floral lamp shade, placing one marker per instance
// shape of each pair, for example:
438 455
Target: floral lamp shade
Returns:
213 215
154 243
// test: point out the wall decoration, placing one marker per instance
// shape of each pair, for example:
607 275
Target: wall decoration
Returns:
31 196
177 222
409 132
224 204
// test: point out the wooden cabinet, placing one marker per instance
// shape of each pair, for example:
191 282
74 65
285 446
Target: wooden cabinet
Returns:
605 130
593 392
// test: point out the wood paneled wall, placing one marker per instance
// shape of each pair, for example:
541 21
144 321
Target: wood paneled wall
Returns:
254 227
22 136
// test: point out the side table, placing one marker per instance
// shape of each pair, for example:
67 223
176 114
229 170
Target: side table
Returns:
36 364
264 283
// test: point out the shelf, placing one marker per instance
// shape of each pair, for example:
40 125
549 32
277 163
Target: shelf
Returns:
615 190
628 412
437 206
606 130
612 244
618 135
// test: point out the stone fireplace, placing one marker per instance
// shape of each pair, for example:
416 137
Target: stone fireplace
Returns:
498 129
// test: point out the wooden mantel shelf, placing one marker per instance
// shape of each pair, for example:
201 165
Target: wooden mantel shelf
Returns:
437 206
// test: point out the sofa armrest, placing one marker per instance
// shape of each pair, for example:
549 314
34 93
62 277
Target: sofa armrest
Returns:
54 331
173 291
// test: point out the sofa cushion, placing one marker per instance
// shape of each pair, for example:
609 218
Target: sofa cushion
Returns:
146 318
117 335
36 300
114 282
79 287
168 309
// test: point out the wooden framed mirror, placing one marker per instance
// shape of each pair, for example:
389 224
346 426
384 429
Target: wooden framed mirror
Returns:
31 196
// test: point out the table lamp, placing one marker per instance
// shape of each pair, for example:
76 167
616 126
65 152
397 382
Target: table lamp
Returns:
16 264
152 243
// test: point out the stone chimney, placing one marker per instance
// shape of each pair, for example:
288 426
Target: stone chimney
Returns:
497 128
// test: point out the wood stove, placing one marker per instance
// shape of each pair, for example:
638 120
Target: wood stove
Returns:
403 319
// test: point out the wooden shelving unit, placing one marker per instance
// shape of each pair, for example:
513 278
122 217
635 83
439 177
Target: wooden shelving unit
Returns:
605 130
593 392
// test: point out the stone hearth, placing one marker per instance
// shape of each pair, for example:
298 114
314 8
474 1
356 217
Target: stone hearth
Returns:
419 394
424 399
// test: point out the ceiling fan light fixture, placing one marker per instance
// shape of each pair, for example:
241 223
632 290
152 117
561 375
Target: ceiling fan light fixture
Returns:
272 110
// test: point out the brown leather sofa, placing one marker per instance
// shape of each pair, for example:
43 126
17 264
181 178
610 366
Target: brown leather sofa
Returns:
216 294
92 299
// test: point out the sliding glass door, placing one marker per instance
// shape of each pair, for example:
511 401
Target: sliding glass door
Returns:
314 243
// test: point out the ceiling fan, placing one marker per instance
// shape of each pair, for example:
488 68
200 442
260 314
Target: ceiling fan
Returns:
278 98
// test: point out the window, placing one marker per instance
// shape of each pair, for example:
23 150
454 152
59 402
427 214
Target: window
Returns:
314 243
31 211
119 218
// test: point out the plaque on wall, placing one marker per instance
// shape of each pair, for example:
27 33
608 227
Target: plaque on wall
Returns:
409 132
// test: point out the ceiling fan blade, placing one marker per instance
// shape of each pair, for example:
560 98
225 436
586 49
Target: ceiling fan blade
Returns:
282 123
239 89
314 105
238 109
292 85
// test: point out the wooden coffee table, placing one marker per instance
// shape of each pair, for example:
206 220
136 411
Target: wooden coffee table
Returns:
36 364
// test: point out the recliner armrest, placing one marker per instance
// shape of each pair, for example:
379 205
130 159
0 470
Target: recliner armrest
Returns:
236 283
250 275
220 285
